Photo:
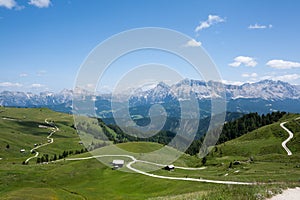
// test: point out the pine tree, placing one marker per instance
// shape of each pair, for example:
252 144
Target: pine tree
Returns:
204 160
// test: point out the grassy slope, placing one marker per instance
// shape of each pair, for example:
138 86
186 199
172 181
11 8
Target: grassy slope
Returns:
64 180
265 143
93 180
263 146
24 133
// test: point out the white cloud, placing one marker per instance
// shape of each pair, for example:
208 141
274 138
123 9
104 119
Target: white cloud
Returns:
90 86
23 75
252 75
212 19
193 43
10 84
40 3
227 82
282 64
286 77
243 60
36 85
41 72
289 77
257 26
9 4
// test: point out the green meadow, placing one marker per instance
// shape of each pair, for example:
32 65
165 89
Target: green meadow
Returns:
254 157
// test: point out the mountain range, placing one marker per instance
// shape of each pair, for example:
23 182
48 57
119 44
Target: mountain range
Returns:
266 90
262 97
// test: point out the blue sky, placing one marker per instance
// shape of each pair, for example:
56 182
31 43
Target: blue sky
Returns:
44 42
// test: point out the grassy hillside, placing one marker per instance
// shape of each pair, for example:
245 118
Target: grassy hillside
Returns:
256 156
20 130
260 155
92 180
264 142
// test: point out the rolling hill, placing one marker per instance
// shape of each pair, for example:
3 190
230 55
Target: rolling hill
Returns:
256 157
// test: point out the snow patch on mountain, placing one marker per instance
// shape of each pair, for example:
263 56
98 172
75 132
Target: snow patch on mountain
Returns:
266 90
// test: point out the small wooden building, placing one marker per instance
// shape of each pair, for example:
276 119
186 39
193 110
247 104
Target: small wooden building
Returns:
117 163
169 167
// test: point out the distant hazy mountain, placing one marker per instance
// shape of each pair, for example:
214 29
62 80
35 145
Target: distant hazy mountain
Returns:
266 90
22 99
262 97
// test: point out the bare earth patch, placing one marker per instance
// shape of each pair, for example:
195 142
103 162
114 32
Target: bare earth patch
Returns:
290 194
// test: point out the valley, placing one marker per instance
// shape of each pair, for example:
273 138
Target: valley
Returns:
149 100
257 160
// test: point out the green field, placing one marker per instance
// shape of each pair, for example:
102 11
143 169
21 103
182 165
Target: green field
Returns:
260 154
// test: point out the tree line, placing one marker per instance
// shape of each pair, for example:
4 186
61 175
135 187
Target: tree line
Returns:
117 135
231 130
64 154
247 123
236 128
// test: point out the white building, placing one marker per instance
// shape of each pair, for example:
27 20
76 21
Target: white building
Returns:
118 163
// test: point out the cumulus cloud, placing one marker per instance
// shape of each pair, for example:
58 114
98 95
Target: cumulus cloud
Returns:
41 72
251 75
36 85
90 86
10 84
9 4
40 3
289 77
257 26
282 64
193 43
243 60
212 19
23 75
227 82
286 77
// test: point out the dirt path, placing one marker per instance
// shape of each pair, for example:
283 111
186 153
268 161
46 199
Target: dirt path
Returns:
177 167
134 160
11 119
289 194
291 135
54 129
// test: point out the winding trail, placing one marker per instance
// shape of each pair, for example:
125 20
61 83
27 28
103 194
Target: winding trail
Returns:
54 129
177 167
11 119
134 160
291 135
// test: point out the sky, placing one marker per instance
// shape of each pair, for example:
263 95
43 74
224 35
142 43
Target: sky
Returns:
43 43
